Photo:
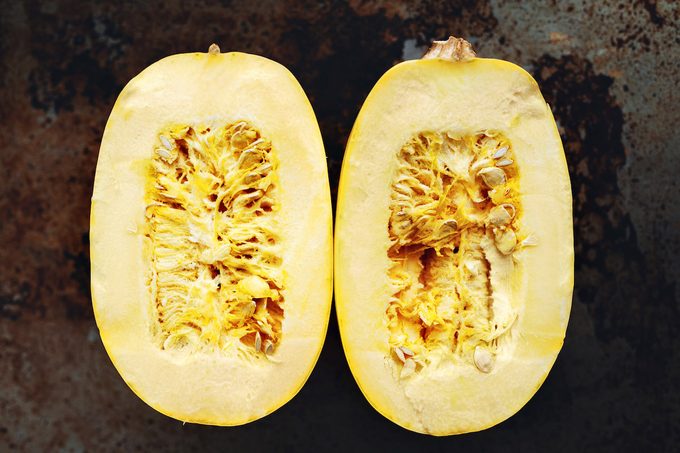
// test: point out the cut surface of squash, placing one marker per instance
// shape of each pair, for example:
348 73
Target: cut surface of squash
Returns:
453 242
211 237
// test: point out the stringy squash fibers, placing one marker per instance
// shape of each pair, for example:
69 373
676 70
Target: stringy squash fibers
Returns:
211 237
454 249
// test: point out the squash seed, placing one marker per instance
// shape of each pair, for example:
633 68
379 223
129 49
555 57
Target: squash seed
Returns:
483 359
499 216
164 153
500 153
450 225
510 208
408 369
400 354
481 163
506 241
492 176
164 140
447 228
504 162
407 351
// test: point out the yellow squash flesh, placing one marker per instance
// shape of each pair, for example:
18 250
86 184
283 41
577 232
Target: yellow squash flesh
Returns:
211 237
453 242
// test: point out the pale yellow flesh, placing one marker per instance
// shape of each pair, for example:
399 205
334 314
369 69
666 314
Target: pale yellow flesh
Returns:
464 98
219 387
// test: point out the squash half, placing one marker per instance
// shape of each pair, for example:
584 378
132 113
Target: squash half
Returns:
453 242
211 237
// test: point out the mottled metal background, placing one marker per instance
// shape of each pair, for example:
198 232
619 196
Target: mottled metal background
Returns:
610 71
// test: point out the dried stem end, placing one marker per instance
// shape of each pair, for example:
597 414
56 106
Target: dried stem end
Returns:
214 49
453 49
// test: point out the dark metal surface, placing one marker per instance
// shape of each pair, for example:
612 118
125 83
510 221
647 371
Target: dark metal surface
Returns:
610 72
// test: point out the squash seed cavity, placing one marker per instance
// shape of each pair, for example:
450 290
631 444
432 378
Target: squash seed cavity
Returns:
214 254
453 227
